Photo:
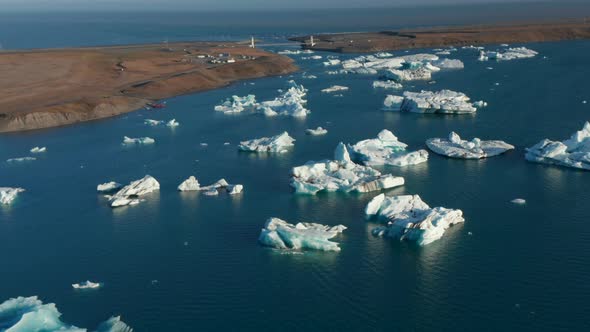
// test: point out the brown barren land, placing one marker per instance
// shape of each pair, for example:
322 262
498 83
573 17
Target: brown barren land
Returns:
55 87
441 37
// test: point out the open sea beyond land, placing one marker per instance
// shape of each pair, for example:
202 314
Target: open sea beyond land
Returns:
507 268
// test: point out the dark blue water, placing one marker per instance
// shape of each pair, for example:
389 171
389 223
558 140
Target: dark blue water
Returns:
523 268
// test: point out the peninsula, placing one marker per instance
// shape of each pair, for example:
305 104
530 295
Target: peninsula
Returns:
54 87
447 36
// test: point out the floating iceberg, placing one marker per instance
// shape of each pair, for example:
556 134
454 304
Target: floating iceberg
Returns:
295 52
130 194
386 149
190 184
518 201
38 149
172 123
28 314
509 54
87 285
317 131
279 234
20 159
140 140
340 174
387 85
393 103
234 189
409 218
418 74
335 88
237 104
108 186
449 64
455 147
8 194
152 123
278 144
290 103
480 104
332 62
444 101
574 152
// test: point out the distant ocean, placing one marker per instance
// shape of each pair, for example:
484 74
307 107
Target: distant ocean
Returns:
189 262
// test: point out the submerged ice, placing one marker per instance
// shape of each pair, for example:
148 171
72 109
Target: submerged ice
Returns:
278 144
386 149
409 218
455 147
279 234
573 152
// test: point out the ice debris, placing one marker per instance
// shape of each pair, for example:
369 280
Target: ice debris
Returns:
332 62
335 88
152 123
130 194
317 131
340 174
140 140
279 234
509 54
87 285
409 218
455 147
386 149
573 152
30 314
422 74
518 201
38 149
108 186
444 101
278 144
8 194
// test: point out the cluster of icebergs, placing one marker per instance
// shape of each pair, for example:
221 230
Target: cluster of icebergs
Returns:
171 124
509 54
138 141
443 101
192 184
386 149
131 193
279 234
289 103
455 147
277 144
31 314
409 218
340 174
573 152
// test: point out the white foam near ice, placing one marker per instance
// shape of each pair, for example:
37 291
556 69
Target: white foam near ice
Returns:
280 234
409 218
276 144
9 194
386 149
455 147
573 152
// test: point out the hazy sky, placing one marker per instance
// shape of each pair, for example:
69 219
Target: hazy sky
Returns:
224 4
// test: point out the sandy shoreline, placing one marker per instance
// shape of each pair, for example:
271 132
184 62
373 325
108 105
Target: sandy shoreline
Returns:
363 42
45 88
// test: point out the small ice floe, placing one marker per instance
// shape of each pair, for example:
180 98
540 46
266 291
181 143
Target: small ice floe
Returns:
234 189
573 152
130 194
332 62
152 123
455 147
519 201
409 218
417 74
38 149
203 144
340 174
489 68
480 104
308 76
192 184
316 132
509 54
280 234
276 144
444 101
8 194
448 64
469 233
237 104
387 85
226 143
20 159
108 187
584 101
172 123
87 285
386 149
335 88
140 140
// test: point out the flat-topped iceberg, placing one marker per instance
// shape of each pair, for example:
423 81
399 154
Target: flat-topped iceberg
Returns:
340 174
192 184
444 101
386 149
279 144
409 218
509 54
8 194
417 74
279 234
237 104
153 123
387 85
455 147
28 314
449 64
108 186
140 140
20 159
335 88
316 132
87 285
38 149
573 152
131 193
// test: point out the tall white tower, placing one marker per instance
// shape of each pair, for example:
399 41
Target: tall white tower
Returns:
252 42
311 42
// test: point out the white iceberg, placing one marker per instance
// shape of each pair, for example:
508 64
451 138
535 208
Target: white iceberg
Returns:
573 152
20 159
140 140
152 123
444 101
8 194
38 149
449 64
87 285
279 234
237 104
234 189
409 218
335 88
332 62
28 314
509 54
340 174
519 201
317 131
480 104
108 186
172 123
277 144
416 74
130 194
386 149
295 52
290 103
190 184
393 103
455 147
387 85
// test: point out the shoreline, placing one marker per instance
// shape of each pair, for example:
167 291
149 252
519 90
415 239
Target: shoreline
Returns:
45 88
404 39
